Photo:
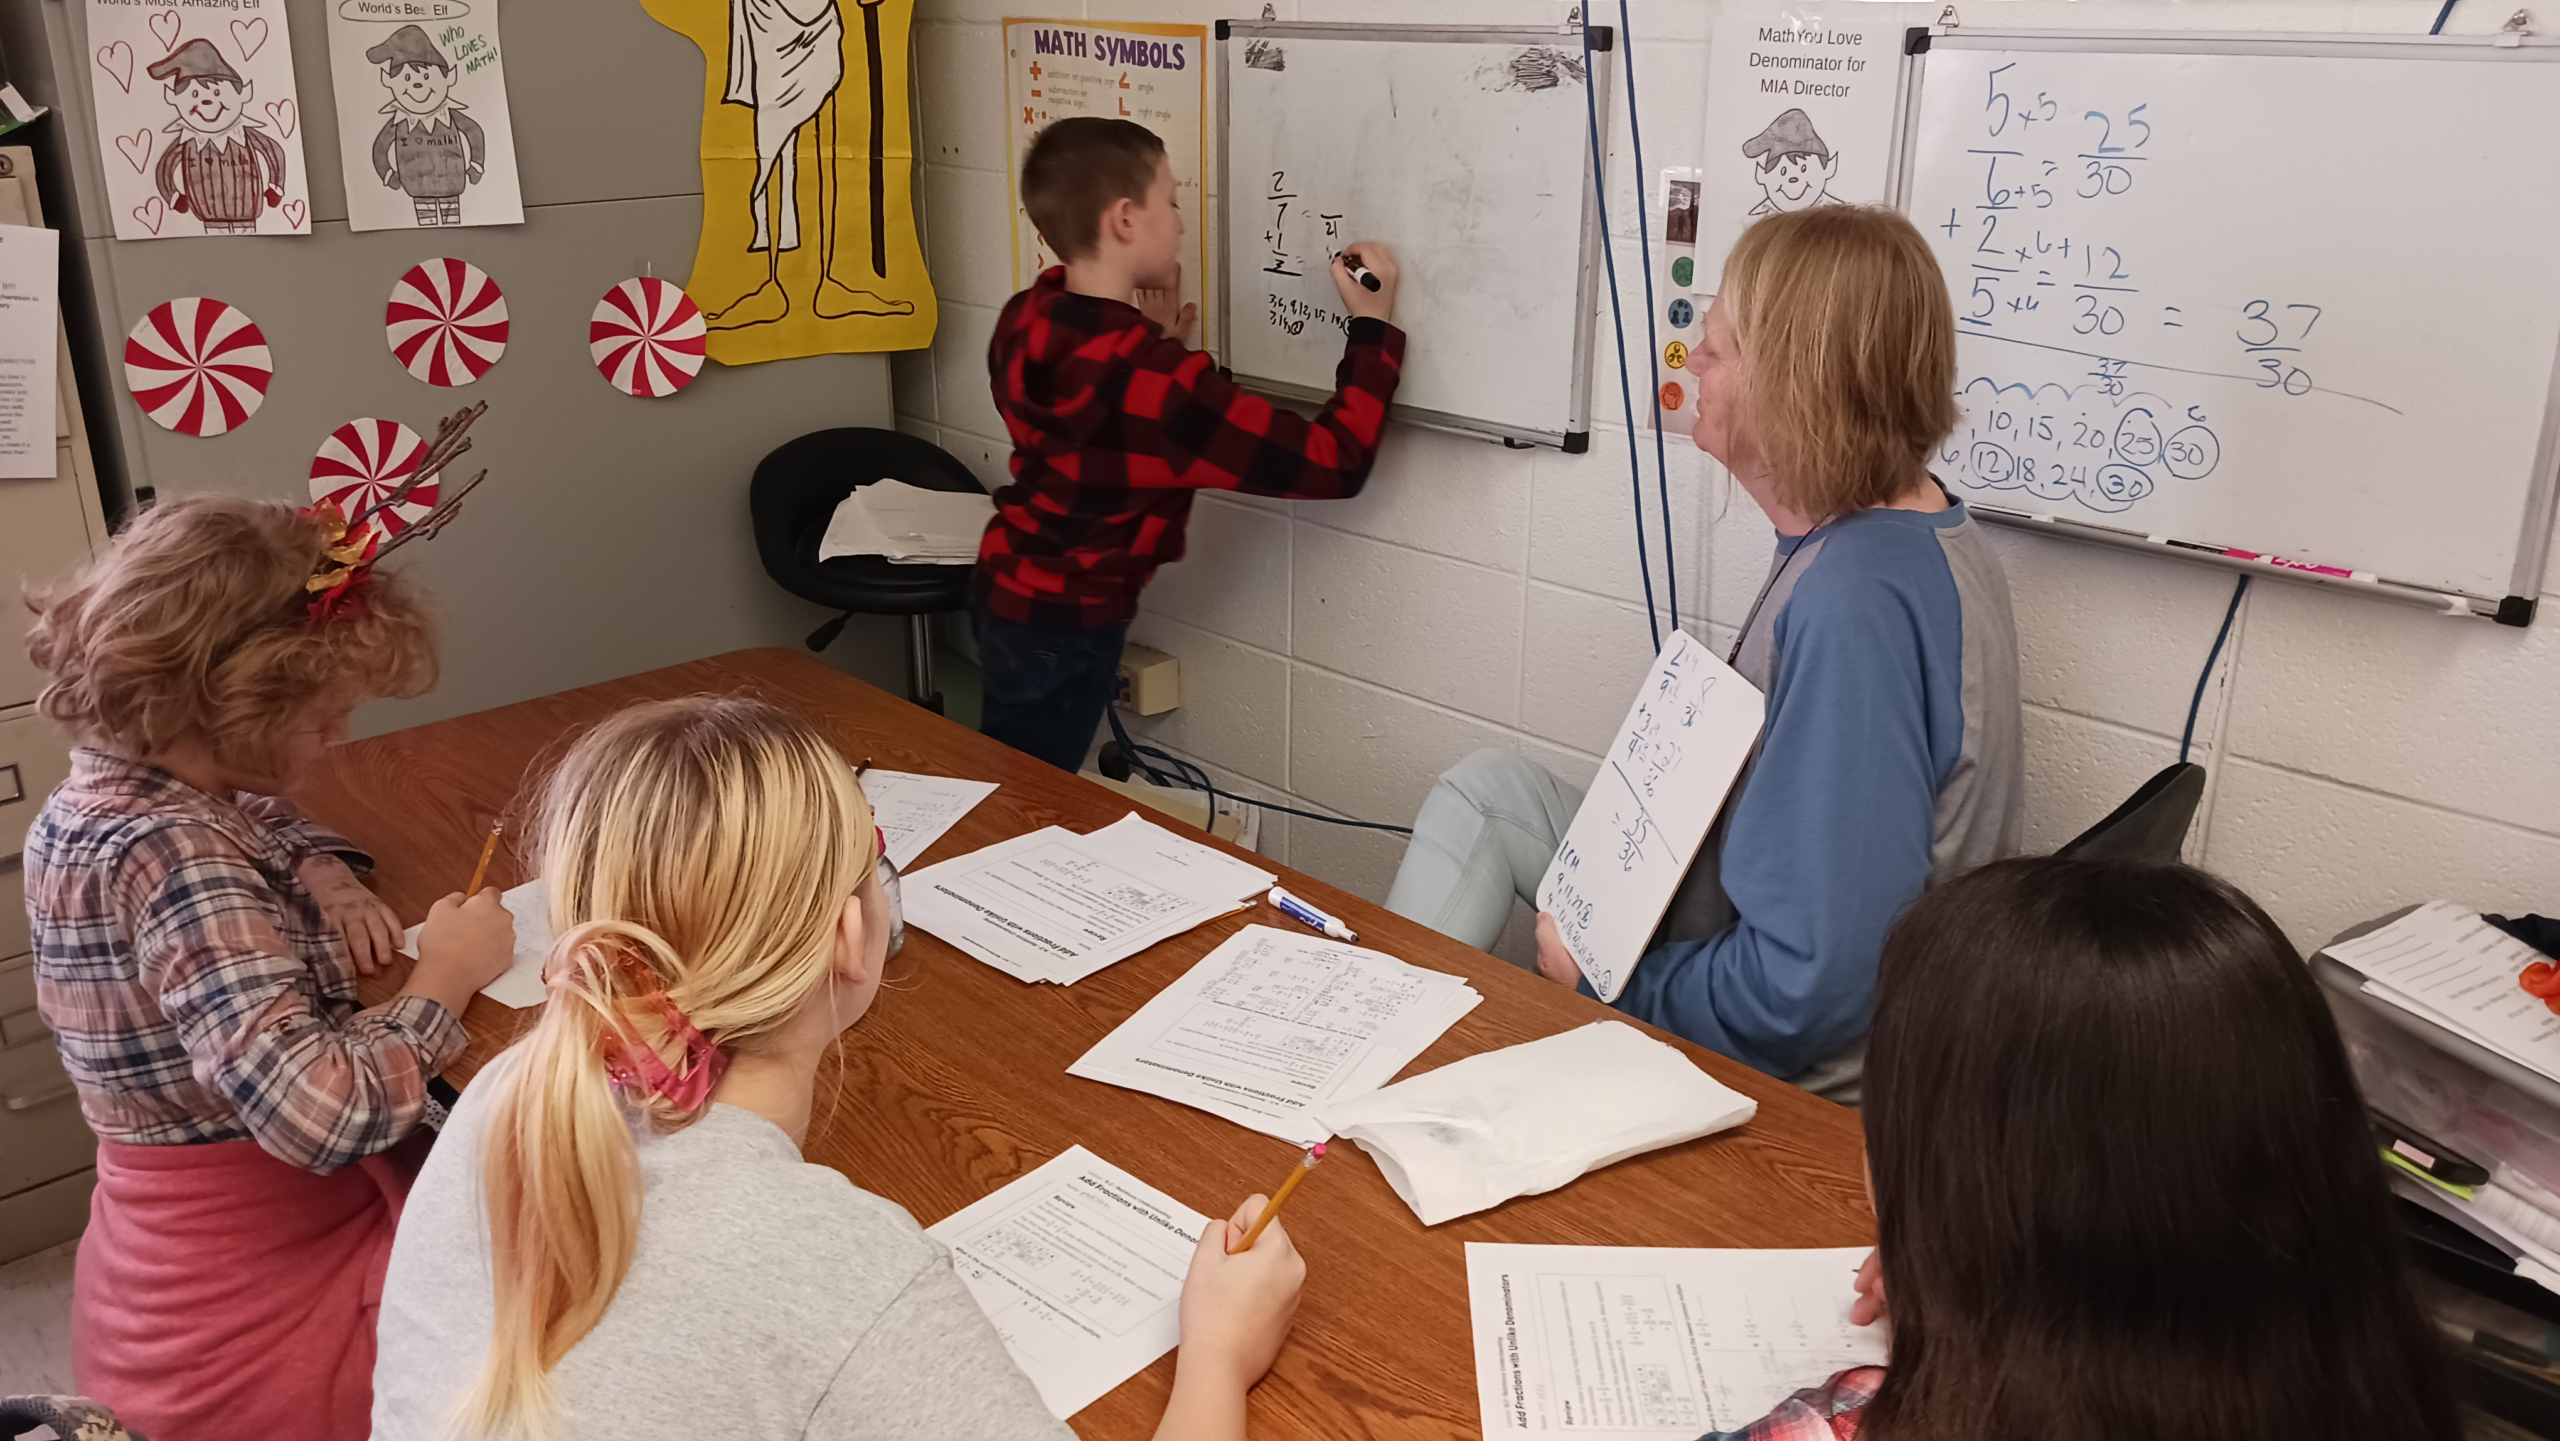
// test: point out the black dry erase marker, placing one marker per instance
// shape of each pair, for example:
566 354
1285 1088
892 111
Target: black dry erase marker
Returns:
1359 271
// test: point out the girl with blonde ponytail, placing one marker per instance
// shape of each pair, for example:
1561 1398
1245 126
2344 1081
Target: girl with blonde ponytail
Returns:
616 1236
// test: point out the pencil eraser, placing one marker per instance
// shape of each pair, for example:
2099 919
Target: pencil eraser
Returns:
1317 1150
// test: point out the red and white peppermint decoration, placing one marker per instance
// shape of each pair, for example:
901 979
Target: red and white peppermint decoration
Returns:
446 321
197 366
363 461
647 337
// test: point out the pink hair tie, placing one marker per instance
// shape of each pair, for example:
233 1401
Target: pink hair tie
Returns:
636 1070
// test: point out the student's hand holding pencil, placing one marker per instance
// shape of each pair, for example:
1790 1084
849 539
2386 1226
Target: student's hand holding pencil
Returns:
1237 1308
466 944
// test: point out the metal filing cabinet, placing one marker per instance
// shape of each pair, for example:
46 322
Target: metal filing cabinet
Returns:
47 528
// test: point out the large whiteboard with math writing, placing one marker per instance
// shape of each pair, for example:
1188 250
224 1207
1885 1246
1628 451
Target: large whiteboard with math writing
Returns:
1467 151
2293 297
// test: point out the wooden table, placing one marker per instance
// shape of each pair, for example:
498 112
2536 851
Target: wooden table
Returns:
956 1083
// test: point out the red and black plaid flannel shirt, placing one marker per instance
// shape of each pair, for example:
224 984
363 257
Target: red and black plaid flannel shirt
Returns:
1115 424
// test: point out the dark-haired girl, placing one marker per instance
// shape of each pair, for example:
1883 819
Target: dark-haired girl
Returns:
2123 1182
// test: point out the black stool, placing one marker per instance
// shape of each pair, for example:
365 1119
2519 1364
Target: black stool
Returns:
795 492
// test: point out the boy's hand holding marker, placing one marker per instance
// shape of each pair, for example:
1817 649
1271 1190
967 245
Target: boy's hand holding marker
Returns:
1366 275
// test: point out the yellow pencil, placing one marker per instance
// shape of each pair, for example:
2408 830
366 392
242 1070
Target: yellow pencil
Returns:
1313 1155
480 872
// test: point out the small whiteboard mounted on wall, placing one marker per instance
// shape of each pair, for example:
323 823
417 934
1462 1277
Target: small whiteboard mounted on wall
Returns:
2276 301
1465 149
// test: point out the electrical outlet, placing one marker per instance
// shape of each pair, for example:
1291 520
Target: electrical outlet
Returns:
1150 681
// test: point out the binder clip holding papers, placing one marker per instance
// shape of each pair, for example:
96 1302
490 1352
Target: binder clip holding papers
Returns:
1684 743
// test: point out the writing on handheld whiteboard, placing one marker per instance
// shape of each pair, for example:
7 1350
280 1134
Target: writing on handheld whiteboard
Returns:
1665 775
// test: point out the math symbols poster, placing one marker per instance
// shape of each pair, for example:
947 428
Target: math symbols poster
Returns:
199 128
1800 107
809 241
423 133
1153 74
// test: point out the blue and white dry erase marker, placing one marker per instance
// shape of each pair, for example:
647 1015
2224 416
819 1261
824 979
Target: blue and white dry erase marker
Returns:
1298 910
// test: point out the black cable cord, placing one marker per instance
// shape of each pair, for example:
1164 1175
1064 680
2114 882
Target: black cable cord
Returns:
2188 740
1194 778
1618 319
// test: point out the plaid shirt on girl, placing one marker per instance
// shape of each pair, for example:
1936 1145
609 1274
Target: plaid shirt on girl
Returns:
1828 1412
195 989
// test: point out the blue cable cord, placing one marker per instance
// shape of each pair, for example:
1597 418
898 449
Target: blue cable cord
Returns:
1652 340
2438 27
1626 397
2188 739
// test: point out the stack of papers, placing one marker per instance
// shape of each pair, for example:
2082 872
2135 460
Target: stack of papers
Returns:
913 811
2446 964
1609 1341
521 987
1274 1023
908 524
1057 906
1080 1267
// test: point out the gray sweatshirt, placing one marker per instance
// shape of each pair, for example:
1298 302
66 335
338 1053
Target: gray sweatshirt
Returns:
767 1298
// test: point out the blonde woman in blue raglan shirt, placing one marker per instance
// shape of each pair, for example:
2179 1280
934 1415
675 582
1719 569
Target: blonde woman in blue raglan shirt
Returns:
1882 637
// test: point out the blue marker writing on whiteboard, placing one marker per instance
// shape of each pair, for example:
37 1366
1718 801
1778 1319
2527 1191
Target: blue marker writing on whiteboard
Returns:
1298 910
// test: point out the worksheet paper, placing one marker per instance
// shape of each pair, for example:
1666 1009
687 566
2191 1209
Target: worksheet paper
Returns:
2443 962
1660 785
1080 1267
1055 906
1138 842
521 986
1274 1023
914 810
30 277
1598 1343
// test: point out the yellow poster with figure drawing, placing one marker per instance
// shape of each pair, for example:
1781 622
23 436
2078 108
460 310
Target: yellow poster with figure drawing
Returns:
808 217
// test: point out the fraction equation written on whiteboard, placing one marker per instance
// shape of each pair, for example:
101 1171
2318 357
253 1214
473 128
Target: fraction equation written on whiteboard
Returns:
2099 385
1300 238
1660 785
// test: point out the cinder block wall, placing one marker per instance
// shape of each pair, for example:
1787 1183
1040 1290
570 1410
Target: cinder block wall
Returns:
1338 655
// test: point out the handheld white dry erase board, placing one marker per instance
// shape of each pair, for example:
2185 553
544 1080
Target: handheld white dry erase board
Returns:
1464 148
1692 727
2277 299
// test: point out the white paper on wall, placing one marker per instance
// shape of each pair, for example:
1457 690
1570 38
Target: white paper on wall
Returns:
1801 99
423 134
199 128
30 271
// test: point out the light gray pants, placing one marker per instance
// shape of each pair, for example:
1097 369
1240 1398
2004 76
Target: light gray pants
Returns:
1486 834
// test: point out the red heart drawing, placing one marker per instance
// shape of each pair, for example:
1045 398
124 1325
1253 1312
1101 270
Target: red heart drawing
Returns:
117 61
137 149
293 212
250 36
150 213
164 28
282 113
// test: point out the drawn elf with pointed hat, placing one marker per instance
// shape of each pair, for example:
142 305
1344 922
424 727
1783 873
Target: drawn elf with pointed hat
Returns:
428 147
1794 168
223 168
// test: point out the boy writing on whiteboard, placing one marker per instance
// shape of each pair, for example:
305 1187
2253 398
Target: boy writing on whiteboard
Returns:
1116 420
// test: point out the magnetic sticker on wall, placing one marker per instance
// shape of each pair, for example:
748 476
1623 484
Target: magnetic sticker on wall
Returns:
363 462
647 337
446 321
197 366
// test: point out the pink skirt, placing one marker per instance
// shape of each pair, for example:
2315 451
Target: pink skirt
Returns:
221 1293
